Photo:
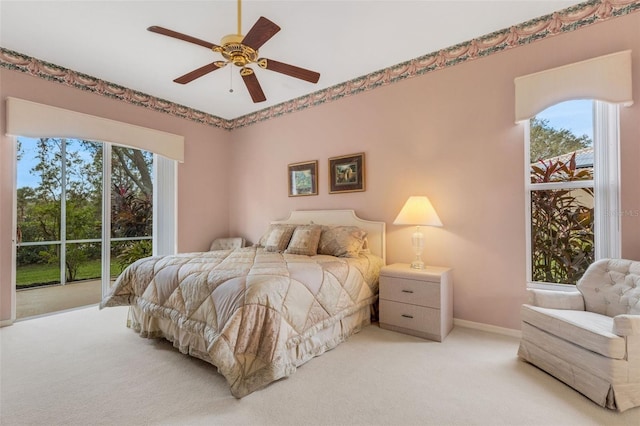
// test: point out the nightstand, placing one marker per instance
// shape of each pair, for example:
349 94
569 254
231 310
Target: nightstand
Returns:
416 301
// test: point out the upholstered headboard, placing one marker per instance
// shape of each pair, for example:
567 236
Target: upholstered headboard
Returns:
376 231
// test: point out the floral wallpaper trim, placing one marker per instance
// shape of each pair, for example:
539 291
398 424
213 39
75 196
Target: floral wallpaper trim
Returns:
19 62
566 20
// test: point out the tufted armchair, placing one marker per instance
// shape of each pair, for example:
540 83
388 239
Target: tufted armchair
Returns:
590 338
227 243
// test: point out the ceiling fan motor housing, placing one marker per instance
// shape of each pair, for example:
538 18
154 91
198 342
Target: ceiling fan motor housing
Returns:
235 52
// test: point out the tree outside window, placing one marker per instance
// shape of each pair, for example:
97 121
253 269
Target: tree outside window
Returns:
562 202
59 209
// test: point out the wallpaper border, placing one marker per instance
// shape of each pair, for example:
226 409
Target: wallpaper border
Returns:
563 21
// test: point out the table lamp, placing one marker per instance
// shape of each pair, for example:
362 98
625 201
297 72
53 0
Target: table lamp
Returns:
418 211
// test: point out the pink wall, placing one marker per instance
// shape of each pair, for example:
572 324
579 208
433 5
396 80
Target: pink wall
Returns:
451 135
448 134
203 178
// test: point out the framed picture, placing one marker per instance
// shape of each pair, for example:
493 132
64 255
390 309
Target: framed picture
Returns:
303 178
346 173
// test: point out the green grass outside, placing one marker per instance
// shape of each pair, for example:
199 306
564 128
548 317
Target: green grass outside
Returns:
29 275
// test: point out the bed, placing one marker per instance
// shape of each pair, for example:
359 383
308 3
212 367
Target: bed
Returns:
257 313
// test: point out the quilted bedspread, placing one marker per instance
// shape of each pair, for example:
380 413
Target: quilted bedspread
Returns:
259 313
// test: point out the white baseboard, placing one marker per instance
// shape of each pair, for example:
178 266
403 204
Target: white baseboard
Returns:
487 327
5 323
459 322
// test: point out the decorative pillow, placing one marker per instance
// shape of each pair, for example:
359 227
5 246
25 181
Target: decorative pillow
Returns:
305 240
262 242
277 237
342 241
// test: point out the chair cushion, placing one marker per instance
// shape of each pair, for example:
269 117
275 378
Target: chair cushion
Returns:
586 329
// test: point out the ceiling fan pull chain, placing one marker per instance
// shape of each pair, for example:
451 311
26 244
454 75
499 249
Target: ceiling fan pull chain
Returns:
230 80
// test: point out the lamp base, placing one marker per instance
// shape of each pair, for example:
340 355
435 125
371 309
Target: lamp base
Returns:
417 241
417 264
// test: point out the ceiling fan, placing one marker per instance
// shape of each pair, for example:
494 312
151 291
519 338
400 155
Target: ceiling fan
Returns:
241 51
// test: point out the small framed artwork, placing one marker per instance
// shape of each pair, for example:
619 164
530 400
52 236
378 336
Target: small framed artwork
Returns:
346 173
303 178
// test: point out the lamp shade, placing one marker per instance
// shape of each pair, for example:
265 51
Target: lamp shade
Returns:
418 211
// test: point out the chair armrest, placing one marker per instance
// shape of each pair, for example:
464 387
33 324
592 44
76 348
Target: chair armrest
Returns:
626 325
571 300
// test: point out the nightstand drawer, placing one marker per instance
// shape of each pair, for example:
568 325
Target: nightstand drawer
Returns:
403 290
418 318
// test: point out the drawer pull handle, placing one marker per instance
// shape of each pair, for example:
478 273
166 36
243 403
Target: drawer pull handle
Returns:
407 291
407 316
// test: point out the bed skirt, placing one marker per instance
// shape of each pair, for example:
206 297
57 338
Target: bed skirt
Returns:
299 352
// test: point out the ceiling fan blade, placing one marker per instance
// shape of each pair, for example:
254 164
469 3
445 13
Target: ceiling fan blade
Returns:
197 73
251 81
180 36
260 33
290 70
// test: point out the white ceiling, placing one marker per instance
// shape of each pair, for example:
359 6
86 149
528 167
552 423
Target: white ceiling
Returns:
341 40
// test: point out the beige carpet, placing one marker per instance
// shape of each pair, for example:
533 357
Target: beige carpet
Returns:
84 367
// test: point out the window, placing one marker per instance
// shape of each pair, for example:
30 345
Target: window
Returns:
572 186
572 182
84 210
29 119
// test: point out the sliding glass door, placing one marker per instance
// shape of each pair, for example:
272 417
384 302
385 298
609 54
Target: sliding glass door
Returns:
131 217
84 211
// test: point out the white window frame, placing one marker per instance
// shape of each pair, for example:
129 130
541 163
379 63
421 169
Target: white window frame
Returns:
606 184
165 196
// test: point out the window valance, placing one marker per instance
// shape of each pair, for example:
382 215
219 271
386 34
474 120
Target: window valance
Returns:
31 119
605 78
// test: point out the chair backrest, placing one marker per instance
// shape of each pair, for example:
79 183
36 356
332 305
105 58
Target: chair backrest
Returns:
227 243
611 287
